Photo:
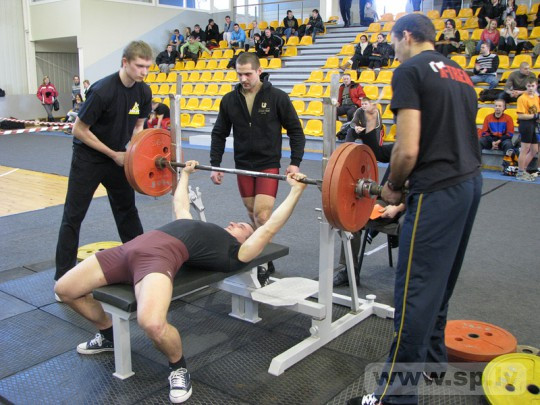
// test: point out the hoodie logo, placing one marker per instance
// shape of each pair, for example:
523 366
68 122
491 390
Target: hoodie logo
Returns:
264 109
263 105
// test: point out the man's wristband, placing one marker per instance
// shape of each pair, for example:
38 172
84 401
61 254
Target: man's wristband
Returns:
393 187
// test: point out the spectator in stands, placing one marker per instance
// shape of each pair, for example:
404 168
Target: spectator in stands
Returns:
228 29
74 112
187 32
451 4
516 84
315 24
528 111
359 124
47 93
380 53
476 4
160 117
498 130
199 34
257 40
192 49
362 52
238 37
449 39
490 11
86 85
370 14
349 97
166 59
509 11
271 45
291 25
212 32
490 35
75 89
250 41
485 68
537 19
177 39
345 8
508 36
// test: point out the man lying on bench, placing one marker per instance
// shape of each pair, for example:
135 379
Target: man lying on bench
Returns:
151 261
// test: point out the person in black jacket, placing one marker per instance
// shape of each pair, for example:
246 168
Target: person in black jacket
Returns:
256 111
490 11
315 24
291 25
166 59
362 52
212 32
271 45
199 34
380 53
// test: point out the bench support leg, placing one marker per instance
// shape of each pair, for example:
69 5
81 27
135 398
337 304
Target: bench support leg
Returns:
122 342
245 309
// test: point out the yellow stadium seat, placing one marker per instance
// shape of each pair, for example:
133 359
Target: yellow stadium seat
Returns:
358 36
339 124
460 60
172 77
328 77
399 15
522 33
161 77
385 77
263 25
298 90
478 90
223 63
192 104
150 78
172 89
238 51
215 106
199 90
373 37
167 102
367 76
534 9
372 92
471 23
228 54
512 112
433 14
231 76
386 93
263 62
395 64
331 63
306 41
388 27
449 13
274 63
218 76
306 20
387 17
206 76
504 76
183 102
184 119
206 55
194 77
535 33
242 25
189 65
224 89
274 24
352 73
374 27
299 106
459 24
390 136
315 91
223 44
314 128
212 64
200 65
178 66
154 88
476 34
521 9
438 24
314 108
290 51
537 63
316 76
518 59
153 68
347 50
212 89
472 62
197 121
293 41
504 62
388 114
465 13
463 35
217 54
187 90
482 114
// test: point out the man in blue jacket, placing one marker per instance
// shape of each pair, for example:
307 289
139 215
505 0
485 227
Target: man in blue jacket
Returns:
238 37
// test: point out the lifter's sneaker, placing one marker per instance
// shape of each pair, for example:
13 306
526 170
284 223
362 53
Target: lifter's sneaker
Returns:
524 176
340 276
97 345
263 275
180 382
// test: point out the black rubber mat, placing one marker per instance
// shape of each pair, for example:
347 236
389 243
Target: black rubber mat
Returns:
11 306
72 378
36 289
202 395
13 274
314 380
64 312
34 337
42 266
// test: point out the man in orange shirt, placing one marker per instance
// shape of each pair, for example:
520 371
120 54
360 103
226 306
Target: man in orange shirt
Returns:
528 108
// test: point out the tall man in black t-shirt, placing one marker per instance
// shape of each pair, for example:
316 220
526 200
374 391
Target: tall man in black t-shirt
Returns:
151 261
114 110
437 151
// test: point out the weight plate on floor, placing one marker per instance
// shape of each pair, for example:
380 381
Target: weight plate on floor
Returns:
528 350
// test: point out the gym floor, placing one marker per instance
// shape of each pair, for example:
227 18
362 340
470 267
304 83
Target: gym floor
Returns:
228 359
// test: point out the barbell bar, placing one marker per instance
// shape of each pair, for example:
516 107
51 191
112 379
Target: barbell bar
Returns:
348 186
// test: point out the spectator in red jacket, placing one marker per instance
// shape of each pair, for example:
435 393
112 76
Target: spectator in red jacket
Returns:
498 129
47 94
350 97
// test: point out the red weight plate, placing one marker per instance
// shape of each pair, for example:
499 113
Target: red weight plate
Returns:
342 208
477 341
141 170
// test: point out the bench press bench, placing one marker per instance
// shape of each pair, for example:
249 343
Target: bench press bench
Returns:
119 299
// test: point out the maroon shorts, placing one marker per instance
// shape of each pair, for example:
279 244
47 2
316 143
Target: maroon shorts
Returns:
151 252
251 186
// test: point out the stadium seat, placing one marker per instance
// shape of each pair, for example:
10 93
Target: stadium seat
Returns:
193 77
518 59
187 90
433 14
535 33
206 55
215 106
347 50
385 77
212 64
199 90
464 34
316 76
200 65
231 76
218 76
263 25
374 27
331 63
184 119
367 76
206 76
197 121
153 68
154 88
263 62
242 25
151 77
161 77
388 114
274 24
395 64
386 93
471 23
460 60
224 89
290 51
238 51
438 24
315 91
223 63
448 13
293 41
314 128
183 102
512 112
189 65
399 15
523 34
217 54
388 27
373 37
178 66
475 36
172 89
352 73
339 124
228 54
387 17
472 62
534 9
314 108
172 77
298 90
274 63
306 41
465 13
521 9
482 114
192 104
328 77
372 92
299 106
212 89
167 101
223 44
504 62
358 36
390 136
504 76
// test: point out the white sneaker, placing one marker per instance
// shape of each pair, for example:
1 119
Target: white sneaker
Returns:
57 298
181 389
96 345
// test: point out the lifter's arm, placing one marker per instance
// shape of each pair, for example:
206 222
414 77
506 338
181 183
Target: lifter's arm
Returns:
181 195
255 244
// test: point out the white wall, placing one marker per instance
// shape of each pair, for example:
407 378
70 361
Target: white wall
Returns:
12 43
57 19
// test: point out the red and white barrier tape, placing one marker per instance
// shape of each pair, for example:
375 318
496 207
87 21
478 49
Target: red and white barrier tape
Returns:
36 122
50 126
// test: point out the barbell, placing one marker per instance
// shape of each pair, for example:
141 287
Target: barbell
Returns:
349 185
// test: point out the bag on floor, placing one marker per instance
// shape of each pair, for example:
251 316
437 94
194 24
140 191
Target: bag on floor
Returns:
489 95
510 164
